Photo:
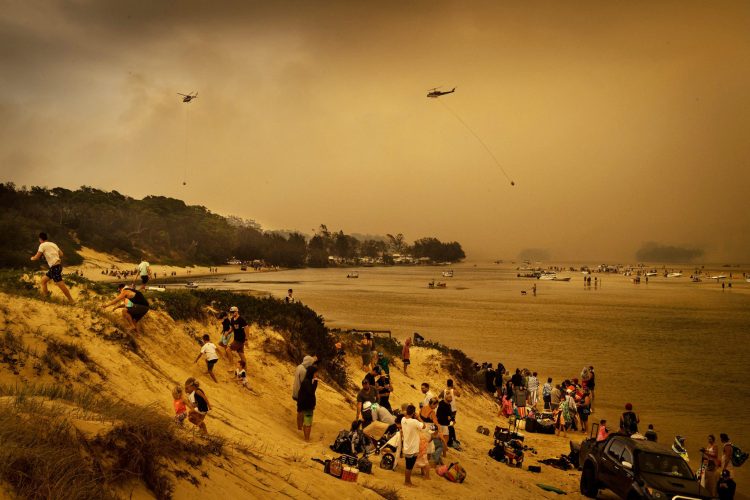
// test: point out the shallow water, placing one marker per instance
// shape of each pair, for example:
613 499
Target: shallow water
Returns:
677 350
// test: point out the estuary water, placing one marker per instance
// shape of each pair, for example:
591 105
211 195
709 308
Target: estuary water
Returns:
677 350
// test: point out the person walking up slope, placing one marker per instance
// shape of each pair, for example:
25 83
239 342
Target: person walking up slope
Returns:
306 400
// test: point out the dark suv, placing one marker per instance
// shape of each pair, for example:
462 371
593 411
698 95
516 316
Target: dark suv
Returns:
636 468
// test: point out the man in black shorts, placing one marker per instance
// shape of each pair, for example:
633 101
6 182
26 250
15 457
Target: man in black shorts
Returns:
135 304
239 329
53 255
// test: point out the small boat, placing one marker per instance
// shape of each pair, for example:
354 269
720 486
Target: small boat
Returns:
558 278
548 276
674 275
719 277
439 284
156 289
354 274
652 274
448 273
191 284
232 281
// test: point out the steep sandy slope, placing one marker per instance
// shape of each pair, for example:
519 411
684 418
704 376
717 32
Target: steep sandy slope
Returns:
265 454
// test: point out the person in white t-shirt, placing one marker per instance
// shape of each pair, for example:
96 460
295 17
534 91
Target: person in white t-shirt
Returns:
209 350
410 429
53 255
144 269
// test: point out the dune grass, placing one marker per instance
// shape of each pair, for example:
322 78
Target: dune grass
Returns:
44 455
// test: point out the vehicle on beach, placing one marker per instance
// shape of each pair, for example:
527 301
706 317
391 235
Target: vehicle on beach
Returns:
191 284
448 273
636 468
353 274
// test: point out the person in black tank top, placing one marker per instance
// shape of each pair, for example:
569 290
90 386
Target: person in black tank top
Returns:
134 303
198 402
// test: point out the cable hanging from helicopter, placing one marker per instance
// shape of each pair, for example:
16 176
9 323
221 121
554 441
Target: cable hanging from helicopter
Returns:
434 93
187 99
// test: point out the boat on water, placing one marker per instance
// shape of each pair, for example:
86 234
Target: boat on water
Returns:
652 274
232 281
439 284
719 277
674 275
353 274
191 284
560 278
534 274
156 289
545 275
448 273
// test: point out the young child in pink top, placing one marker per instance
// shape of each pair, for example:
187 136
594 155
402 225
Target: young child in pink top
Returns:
180 409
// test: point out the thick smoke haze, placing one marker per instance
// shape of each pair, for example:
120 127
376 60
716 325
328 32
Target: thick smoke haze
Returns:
621 123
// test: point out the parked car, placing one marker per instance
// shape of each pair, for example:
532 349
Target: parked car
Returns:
635 469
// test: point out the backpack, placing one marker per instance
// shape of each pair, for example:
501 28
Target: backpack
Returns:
738 456
455 473
364 465
343 443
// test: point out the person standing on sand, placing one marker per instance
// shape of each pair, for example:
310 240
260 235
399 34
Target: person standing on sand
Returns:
209 350
406 354
428 395
299 376
709 461
629 421
144 269
726 456
410 429
533 387
289 299
53 255
306 400
226 335
366 351
199 405
555 397
368 393
547 394
134 303
239 330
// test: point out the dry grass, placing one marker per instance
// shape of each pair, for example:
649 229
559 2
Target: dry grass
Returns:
387 492
45 456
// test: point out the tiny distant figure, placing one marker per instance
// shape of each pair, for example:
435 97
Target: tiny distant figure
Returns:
533 289
180 408
629 421
53 255
209 350
240 374
289 296
366 351
406 354
651 433
144 270
722 285
603 432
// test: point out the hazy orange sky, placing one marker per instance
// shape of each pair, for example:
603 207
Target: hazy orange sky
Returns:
621 122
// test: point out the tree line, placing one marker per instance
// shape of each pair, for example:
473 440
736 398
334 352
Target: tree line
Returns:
171 232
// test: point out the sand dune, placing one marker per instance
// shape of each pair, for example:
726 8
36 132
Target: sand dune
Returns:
274 459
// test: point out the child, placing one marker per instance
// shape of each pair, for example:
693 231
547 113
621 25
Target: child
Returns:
180 409
209 349
240 374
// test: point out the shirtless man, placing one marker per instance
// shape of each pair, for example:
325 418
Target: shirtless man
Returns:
53 255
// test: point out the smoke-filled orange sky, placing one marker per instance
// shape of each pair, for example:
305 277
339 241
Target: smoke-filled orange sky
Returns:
620 122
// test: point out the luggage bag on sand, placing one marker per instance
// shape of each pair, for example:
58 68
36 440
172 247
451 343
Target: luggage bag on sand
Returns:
455 473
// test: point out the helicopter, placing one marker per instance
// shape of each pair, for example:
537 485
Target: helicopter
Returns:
433 93
188 97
